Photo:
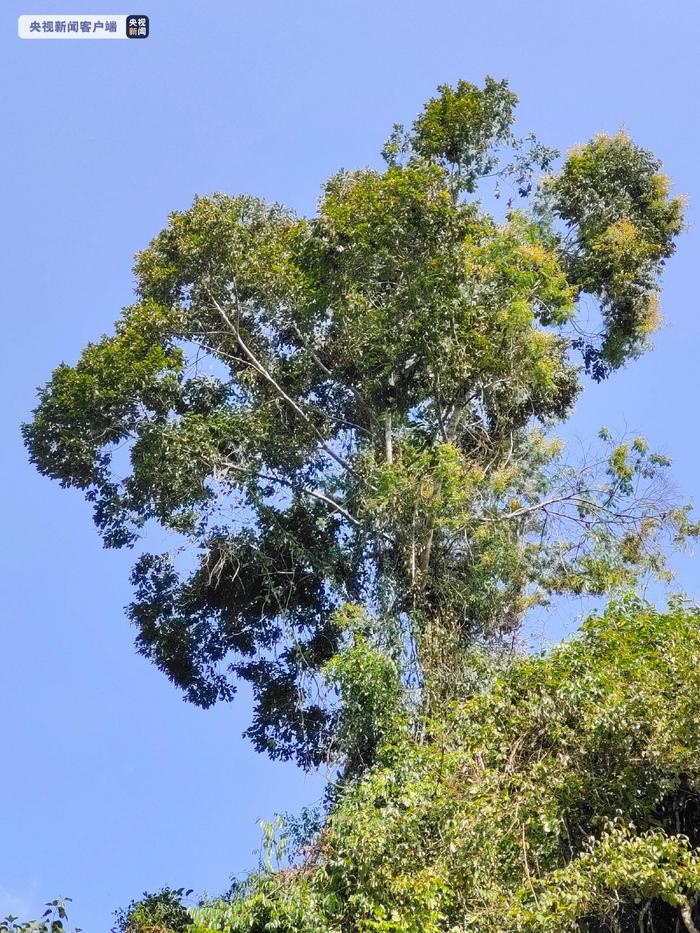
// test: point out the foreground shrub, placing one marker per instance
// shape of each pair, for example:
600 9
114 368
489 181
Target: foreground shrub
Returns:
564 797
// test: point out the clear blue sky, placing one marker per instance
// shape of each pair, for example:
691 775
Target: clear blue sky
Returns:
109 783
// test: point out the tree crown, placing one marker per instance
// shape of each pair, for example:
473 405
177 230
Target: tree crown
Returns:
352 408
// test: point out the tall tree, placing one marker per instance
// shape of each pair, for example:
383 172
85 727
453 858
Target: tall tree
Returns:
353 408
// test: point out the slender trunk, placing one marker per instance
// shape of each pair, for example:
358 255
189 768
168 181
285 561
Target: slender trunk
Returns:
687 915
425 553
388 439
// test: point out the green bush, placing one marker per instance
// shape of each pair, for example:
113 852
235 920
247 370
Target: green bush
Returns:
564 797
160 912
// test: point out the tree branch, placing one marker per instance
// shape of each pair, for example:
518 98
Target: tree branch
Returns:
305 490
687 915
278 388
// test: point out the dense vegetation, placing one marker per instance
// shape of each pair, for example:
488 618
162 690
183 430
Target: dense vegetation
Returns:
563 798
346 424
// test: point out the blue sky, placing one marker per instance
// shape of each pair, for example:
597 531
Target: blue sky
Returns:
109 783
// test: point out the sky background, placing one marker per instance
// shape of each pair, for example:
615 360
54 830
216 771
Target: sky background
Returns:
109 783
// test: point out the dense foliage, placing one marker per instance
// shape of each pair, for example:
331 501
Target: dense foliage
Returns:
566 797
352 408
160 912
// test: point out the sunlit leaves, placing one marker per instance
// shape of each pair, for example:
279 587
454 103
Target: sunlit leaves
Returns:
564 797
623 223
463 127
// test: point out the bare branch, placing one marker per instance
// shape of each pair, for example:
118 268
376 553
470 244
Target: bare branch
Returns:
305 490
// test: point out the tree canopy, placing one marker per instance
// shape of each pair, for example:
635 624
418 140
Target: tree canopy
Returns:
355 408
